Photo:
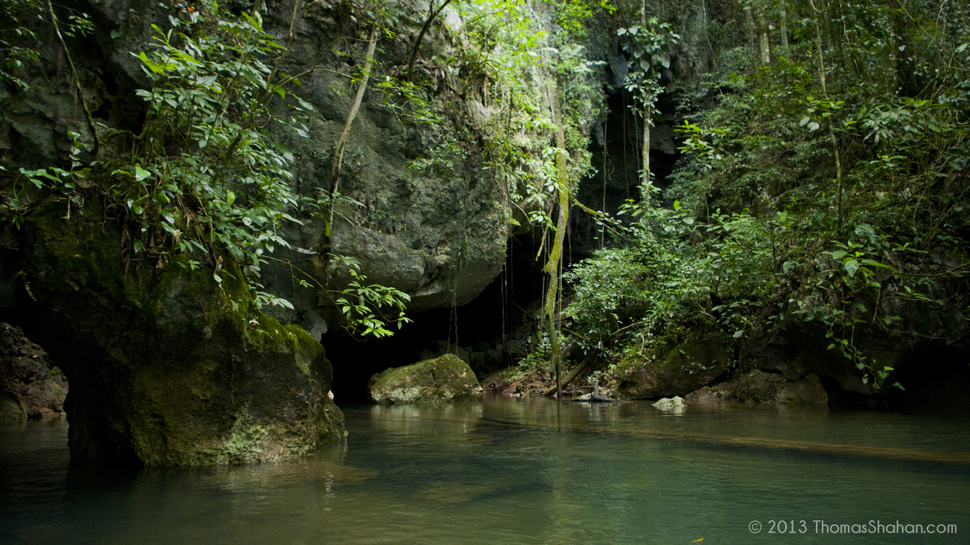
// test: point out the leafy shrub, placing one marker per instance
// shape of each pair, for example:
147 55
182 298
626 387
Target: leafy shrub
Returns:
206 177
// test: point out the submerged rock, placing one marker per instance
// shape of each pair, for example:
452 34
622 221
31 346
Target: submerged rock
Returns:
447 378
669 403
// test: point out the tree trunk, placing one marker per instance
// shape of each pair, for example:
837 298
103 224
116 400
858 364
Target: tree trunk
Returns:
764 45
645 181
554 263
783 24
338 152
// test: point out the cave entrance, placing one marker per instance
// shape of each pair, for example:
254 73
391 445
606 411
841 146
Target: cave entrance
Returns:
482 331
936 377
492 331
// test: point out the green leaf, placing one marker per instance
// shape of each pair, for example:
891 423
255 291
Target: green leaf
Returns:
140 173
851 267
154 67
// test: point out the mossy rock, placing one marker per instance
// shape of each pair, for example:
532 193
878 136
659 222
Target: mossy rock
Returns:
760 387
447 378
167 365
695 363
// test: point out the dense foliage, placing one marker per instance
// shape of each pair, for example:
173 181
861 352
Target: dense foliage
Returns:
824 178
208 177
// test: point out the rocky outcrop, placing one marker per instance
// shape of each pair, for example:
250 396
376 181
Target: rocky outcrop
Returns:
760 387
167 366
438 233
685 368
29 386
446 378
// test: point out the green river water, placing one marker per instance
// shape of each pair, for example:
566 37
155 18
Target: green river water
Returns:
520 471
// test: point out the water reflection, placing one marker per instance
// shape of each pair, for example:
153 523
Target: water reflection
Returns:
516 471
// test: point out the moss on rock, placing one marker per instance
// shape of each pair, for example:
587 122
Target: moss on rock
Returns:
684 368
167 365
446 378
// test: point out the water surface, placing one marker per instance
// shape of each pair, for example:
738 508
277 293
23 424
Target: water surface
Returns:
521 471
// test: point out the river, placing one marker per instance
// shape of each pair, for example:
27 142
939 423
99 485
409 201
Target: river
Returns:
512 470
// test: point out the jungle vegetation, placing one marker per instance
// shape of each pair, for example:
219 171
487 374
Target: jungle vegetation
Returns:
823 170
823 177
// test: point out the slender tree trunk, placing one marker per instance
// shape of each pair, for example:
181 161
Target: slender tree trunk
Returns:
645 182
554 263
832 137
606 173
338 153
783 24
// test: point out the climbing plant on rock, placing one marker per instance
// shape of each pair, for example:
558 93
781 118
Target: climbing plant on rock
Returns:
648 45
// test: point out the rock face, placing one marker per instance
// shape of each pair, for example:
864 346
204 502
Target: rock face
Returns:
29 387
447 378
166 365
760 387
438 232
687 367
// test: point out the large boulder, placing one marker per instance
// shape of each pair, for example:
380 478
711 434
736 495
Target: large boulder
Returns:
447 378
167 365
685 368
761 387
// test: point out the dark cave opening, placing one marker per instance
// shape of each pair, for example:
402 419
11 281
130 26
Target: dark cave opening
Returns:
483 328
616 158
935 376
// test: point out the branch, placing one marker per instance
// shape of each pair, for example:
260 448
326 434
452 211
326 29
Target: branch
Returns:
417 42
